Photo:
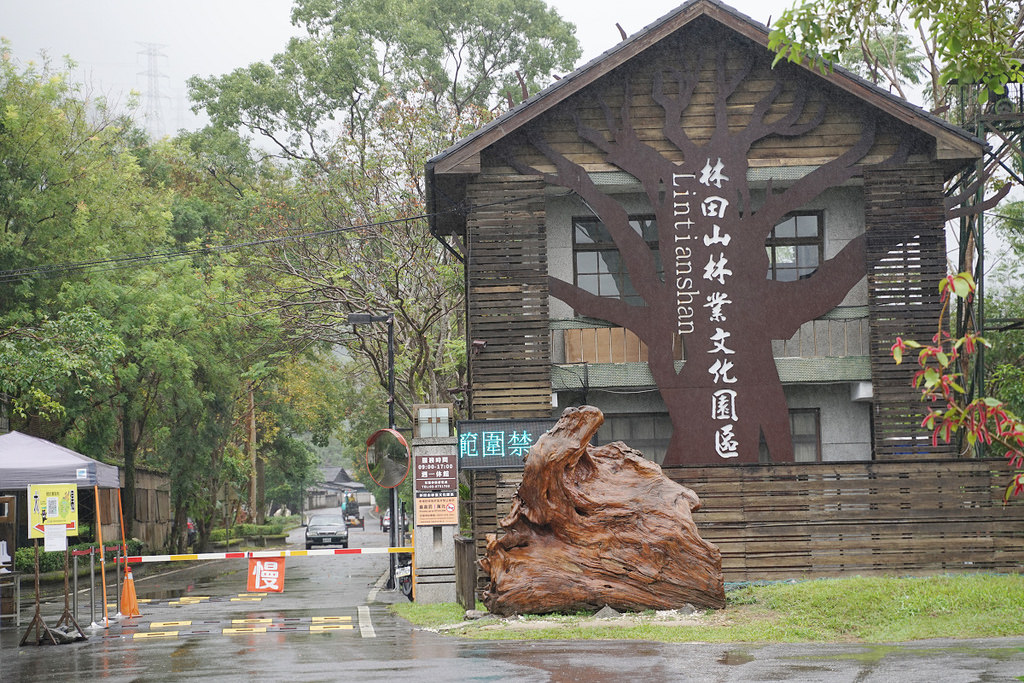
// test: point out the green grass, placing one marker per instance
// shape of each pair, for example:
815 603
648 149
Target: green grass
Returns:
858 609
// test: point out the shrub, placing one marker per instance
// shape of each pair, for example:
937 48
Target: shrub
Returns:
24 558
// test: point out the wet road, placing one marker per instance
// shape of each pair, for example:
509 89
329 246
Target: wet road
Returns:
333 624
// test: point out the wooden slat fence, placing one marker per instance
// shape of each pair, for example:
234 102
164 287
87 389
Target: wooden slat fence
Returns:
811 520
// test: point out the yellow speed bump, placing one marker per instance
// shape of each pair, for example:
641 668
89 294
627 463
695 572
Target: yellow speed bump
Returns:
246 599
168 624
244 629
156 634
330 627
320 620
252 621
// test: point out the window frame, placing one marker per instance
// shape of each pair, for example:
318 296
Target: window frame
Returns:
772 242
600 247
807 439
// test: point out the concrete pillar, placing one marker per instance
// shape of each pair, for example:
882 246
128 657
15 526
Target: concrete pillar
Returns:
435 545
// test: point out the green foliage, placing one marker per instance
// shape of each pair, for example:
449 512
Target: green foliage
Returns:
355 54
984 420
355 106
24 558
964 42
44 363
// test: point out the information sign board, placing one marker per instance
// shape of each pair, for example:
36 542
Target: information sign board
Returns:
437 508
50 504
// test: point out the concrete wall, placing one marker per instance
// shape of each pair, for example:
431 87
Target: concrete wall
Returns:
845 424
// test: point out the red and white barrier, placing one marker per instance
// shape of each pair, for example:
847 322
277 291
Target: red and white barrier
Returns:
244 555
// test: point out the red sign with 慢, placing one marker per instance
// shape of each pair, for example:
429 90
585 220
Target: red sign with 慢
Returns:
266 575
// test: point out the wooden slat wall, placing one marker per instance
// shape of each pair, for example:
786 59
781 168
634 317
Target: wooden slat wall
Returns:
812 520
839 130
508 298
906 259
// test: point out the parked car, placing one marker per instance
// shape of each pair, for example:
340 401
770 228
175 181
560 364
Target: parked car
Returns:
326 529
385 521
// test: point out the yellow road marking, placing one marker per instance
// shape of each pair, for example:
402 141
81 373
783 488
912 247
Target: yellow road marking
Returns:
330 627
249 629
156 634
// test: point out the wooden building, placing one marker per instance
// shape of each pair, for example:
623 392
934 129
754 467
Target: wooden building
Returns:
719 254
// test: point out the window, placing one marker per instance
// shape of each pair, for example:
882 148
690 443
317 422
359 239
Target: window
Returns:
805 428
599 266
796 247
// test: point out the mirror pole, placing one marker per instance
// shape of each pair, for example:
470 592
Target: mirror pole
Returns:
393 493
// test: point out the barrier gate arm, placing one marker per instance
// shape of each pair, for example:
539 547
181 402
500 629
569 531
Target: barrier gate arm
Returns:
260 554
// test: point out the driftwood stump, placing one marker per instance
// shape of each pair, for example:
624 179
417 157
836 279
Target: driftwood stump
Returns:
595 526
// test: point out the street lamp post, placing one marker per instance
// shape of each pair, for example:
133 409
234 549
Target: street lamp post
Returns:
366 319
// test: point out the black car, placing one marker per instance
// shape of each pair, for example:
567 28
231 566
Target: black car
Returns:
326 529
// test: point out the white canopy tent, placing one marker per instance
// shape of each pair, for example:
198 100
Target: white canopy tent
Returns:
28 460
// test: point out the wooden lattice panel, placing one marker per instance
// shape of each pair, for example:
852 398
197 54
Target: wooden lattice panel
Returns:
508 298
906 259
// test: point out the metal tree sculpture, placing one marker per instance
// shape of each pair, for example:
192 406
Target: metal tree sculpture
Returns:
713 294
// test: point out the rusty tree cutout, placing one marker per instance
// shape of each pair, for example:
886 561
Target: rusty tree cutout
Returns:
717 99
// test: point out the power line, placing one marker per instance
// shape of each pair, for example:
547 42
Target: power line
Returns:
128 260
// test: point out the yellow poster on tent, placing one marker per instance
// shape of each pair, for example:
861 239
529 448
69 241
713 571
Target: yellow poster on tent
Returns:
52 504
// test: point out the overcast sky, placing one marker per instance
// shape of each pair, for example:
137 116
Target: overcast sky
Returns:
110 39
119 43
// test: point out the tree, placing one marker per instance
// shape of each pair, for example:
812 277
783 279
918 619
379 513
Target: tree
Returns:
355 107
710 240
44 363
70 191
357 53
122 335
962 42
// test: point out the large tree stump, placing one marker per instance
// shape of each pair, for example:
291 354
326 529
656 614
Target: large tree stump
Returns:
594 526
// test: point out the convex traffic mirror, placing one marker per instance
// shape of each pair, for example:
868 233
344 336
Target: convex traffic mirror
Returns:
388 458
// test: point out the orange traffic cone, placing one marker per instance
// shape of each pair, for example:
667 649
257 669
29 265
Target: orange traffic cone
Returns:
129 603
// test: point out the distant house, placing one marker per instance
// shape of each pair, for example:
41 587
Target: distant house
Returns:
718 254
336 483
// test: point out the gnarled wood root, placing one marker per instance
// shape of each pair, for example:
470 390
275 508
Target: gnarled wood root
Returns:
594 526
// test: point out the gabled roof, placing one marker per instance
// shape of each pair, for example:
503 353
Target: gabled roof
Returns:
952 143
